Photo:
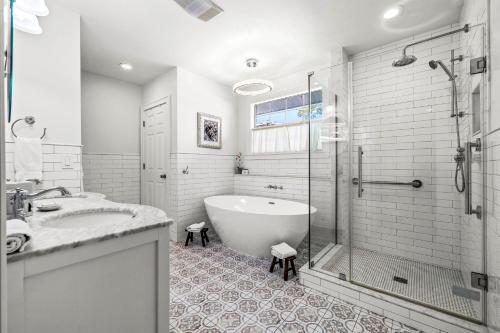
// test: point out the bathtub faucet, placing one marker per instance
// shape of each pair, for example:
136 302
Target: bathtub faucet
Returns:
274 187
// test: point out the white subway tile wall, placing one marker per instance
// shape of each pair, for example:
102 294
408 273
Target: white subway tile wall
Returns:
402 119
61 166
115 175
209 175
291 171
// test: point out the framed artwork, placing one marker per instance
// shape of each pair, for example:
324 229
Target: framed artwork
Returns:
209 131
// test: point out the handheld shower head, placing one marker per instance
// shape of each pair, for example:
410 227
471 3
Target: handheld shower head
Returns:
434 64
404 60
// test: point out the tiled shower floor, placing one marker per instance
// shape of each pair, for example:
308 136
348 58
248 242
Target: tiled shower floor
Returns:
215 289
426 283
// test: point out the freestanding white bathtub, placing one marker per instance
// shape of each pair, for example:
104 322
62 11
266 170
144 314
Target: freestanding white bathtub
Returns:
251 225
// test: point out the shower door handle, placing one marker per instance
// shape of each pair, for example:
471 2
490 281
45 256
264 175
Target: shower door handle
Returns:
360 171
468 178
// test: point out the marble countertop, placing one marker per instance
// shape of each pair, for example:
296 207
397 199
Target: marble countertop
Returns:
47 239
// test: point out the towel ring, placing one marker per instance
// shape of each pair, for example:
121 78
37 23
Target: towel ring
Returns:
30 120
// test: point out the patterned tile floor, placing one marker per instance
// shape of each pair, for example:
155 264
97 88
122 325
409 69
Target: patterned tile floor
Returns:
215 289
427 283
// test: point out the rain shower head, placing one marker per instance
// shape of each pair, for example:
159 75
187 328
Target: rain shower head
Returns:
404 60
410 59
434 64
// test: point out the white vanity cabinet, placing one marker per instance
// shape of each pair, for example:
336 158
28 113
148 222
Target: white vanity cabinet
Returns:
119 285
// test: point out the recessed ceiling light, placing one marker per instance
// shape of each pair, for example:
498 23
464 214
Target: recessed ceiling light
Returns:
393 12
126 67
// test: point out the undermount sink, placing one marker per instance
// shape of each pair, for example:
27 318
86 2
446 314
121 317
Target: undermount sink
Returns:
88 220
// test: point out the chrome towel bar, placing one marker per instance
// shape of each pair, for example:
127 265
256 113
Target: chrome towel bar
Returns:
415 183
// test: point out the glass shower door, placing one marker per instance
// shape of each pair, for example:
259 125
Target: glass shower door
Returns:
328 168
416 230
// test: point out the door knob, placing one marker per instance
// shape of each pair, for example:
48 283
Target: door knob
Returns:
164 176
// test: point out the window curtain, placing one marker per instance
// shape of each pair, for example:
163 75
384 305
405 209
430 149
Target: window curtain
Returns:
293 138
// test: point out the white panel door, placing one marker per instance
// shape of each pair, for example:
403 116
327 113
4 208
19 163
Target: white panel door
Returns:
155 154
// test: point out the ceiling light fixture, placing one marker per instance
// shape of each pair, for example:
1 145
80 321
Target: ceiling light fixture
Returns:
253 87
126 67
393 12
204 10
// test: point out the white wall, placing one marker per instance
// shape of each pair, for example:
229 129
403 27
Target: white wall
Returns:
111 137
47 77
165 85
198 94
110 115
160 87
47 86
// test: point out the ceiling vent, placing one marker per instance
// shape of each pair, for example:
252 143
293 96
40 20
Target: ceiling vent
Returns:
205 10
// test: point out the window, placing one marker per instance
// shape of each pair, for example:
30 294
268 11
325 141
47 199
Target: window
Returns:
281 125
288 110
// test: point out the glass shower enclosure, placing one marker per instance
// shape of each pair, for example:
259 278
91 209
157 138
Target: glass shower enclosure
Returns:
397 169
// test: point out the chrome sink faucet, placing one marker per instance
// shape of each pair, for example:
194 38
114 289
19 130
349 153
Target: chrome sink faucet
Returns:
20 202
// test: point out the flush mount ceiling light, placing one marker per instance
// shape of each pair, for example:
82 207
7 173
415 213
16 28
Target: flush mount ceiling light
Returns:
393 12
252 87
126 67
204 10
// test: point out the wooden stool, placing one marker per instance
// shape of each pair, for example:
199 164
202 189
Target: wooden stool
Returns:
203 234
289 266
281 252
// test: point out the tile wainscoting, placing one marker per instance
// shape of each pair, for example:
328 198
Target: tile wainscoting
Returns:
291 171
115 175
62 166
209 175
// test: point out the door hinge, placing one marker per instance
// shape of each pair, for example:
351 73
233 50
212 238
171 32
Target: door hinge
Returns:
479 281
478 65
143 123
143 166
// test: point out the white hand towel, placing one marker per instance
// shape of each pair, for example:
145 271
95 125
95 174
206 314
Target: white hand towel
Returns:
196 227
28 161
18 236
